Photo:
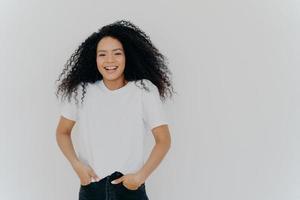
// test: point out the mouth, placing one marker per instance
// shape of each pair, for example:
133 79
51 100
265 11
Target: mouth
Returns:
111 69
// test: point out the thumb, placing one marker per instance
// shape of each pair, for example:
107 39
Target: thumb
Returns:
118 180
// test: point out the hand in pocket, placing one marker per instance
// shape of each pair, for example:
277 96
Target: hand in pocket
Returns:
130 181
85 173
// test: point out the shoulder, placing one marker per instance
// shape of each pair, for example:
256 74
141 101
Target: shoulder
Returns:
149 90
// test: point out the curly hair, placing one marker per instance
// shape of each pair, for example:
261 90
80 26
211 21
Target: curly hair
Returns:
142 61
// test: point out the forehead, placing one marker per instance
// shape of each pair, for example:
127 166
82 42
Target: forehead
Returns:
109 44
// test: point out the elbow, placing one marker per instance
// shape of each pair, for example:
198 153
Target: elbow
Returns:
162 136
169 143
166 142
60 133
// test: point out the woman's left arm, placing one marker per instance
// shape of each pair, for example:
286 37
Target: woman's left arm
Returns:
160 149
162 145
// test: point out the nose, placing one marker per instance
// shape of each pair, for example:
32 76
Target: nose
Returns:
110 58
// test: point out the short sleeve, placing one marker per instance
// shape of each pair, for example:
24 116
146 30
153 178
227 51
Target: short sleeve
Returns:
153 111
68 109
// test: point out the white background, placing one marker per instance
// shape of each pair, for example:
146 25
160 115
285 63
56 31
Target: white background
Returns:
234 121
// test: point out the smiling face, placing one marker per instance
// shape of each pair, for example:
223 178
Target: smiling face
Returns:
110 59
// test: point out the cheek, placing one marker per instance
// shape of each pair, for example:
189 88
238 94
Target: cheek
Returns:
121 60
99 62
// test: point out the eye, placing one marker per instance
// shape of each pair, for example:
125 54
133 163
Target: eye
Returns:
118 53
101 54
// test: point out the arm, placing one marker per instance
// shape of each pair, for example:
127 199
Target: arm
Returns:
63 139
163 143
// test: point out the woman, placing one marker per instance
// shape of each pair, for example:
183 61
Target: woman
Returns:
122 80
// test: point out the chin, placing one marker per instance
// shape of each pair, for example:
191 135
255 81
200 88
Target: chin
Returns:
111 78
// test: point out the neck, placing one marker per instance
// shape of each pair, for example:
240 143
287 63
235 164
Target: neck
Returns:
115 84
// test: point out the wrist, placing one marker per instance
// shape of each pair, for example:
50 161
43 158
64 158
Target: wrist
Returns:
142 176
74 162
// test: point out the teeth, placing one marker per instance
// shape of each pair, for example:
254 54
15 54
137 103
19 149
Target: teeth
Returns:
110 68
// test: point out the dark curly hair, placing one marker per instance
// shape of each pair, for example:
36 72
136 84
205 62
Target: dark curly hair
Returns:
142 61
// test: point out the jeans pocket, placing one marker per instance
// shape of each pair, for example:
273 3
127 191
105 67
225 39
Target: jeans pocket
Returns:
86 186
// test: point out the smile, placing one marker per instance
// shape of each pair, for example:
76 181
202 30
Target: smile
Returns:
111 69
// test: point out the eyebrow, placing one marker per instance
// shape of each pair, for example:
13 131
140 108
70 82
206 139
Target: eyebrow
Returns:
112 50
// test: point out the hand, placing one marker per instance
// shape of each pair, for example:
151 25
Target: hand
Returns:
85 173
131 181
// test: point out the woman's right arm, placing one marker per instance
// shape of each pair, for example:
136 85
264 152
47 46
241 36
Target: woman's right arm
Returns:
64 141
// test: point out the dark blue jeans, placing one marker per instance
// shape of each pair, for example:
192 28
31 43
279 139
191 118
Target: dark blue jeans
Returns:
105 190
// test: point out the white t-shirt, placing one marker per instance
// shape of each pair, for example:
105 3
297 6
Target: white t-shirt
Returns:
112 124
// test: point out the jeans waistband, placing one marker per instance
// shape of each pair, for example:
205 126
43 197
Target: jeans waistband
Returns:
114 175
